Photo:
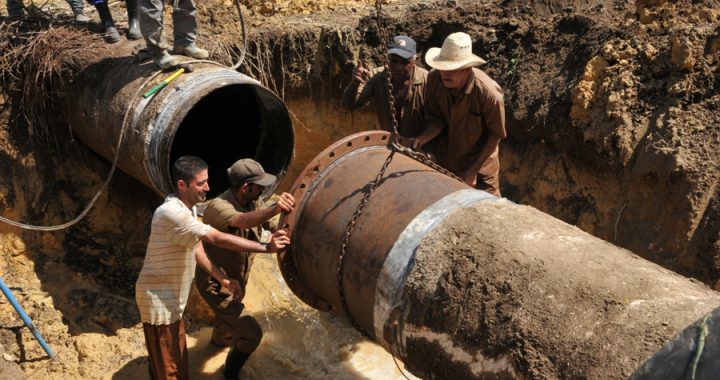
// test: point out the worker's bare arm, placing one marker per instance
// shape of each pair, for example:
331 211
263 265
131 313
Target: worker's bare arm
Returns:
208 266
285 203
278 241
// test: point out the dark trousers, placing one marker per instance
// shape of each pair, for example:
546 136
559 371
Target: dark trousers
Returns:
230 323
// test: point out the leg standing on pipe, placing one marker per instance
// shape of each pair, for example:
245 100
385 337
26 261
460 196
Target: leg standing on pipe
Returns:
184 31
111 33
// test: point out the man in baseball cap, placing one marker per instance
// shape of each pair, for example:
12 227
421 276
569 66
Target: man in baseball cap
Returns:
249 171
466 103
408 88
403 46
238 211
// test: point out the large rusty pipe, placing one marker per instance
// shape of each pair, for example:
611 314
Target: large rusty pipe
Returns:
460 284
213 112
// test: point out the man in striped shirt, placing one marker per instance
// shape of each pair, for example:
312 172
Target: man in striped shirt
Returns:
164 282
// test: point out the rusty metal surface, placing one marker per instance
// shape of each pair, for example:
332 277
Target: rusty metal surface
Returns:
158 129
328 192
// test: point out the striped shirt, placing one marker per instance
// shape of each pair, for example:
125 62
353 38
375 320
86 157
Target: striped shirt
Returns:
162 288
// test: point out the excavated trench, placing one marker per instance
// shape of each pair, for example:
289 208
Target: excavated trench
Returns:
612 113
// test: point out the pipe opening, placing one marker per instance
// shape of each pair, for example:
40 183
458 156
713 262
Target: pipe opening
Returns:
233 122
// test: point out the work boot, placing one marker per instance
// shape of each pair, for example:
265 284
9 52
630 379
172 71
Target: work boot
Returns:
234 363
80 18
192 51
15 10
165 61
111 33
133 11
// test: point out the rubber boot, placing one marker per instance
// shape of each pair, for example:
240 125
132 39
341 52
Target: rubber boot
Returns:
133 11
192 51
15 9
78 8
234 363
165 61
111 33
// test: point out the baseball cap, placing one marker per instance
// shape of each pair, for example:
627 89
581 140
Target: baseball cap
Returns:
249 170
403 46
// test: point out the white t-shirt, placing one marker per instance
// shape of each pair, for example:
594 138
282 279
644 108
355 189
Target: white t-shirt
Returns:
162 288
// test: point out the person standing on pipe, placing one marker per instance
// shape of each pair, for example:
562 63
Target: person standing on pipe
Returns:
163 285
238 211
111 33
464 109
408 84
184 32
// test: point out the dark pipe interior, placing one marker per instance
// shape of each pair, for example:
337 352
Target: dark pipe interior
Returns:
234 122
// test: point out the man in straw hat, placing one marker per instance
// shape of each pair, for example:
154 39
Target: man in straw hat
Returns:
408 83
464 109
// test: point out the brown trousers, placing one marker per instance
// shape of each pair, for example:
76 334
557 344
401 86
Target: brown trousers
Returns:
489 183
167 351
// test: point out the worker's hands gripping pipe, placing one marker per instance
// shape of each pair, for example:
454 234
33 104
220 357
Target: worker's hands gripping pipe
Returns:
278 241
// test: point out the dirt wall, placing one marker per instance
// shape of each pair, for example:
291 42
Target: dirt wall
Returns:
611 108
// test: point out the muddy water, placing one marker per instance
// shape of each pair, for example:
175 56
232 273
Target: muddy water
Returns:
299 341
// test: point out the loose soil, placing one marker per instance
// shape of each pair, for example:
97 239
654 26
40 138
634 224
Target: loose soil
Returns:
612 112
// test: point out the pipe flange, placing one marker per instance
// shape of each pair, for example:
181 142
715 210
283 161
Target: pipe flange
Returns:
300 189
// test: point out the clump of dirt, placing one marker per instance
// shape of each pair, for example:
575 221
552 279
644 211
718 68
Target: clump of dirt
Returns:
304 7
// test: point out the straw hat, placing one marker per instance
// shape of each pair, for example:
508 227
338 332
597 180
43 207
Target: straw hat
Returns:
456 53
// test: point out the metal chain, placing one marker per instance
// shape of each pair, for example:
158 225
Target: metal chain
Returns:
395 140
348 232
425 160
395 147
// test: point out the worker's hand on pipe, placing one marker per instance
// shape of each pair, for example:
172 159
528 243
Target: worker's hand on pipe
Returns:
405 141
360 75
470 177
415 143
285 203
234 287
278 241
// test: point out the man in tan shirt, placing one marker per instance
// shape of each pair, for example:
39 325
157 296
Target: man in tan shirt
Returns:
464 109
237 211
408 83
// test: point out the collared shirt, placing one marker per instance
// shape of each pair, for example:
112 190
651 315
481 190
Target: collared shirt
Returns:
412 120
163 285
466 121
219 213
